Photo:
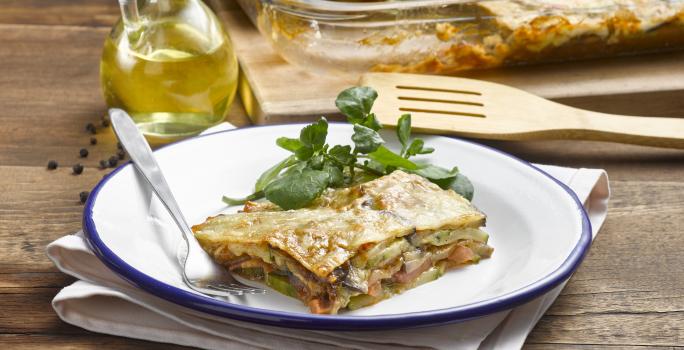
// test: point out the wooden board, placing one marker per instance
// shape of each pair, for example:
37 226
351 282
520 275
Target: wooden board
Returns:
275 91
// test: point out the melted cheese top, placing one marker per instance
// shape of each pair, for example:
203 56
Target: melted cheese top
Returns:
331 230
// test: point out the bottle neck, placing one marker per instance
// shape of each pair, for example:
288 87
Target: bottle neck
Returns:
133 12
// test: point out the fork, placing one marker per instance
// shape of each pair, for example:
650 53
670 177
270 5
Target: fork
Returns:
480 109
200 273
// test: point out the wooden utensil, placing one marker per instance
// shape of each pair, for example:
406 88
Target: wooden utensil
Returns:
480 109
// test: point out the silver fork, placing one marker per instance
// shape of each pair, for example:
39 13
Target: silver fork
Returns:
200 273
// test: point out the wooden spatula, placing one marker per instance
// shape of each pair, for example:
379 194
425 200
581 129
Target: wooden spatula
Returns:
480 109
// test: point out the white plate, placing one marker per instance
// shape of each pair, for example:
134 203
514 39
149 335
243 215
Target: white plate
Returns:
538 229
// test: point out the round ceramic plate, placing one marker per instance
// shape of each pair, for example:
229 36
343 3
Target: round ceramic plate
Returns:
538 229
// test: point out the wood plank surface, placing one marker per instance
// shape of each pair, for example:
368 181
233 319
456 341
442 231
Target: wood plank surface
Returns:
628 293
86 340
60 12
641 85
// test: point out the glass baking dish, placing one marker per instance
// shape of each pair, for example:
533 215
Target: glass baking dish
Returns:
448 36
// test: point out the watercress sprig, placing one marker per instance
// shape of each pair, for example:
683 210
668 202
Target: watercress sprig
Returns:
314 165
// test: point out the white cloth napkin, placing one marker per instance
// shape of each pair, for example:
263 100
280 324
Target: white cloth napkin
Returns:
103 302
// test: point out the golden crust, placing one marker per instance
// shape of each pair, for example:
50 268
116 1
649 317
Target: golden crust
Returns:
330 231
410 197
319 239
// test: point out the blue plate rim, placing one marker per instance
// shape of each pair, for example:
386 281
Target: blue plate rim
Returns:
334 322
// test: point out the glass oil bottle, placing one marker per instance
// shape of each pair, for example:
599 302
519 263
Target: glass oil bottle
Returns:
171 66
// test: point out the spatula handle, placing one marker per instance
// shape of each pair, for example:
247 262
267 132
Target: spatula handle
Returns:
647 131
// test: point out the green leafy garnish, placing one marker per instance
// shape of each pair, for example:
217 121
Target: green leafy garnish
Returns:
304 153
437 174
272 173
366 139
384 156
356 103
463 186
289 144
298 189
342 155
314 135
410 147
404 131
315 165
335 175
417 147
238 201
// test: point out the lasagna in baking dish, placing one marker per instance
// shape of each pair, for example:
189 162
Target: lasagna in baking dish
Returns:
351 247
450 36
523 31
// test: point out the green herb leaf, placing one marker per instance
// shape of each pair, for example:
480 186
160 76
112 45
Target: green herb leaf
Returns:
356 103
390 159
463 186
289 144
297 189
314 135
415 147
342 154
426 150
418 147
272 173
298 167
374 167
335 176
440 176
404 130
366 140
316 162
435 172
372 122
239 201
304 153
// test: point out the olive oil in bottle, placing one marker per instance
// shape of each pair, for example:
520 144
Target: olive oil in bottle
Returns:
169 64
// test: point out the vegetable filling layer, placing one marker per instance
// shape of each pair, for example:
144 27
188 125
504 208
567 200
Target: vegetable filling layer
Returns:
376 272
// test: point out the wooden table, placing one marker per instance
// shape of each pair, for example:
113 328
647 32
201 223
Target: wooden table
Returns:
628 293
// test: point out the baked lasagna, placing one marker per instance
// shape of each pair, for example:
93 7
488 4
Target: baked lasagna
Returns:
448 37
351 247
509 32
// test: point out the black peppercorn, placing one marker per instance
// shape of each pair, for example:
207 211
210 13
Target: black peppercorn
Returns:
119 145
84 196
105 123
83 152
103 164
121 154
90 127
52 165
93 141
113 160
78 169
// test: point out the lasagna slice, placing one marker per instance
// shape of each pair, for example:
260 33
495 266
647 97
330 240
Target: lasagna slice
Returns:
351 247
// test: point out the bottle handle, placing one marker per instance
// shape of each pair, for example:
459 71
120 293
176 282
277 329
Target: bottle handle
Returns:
130 15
